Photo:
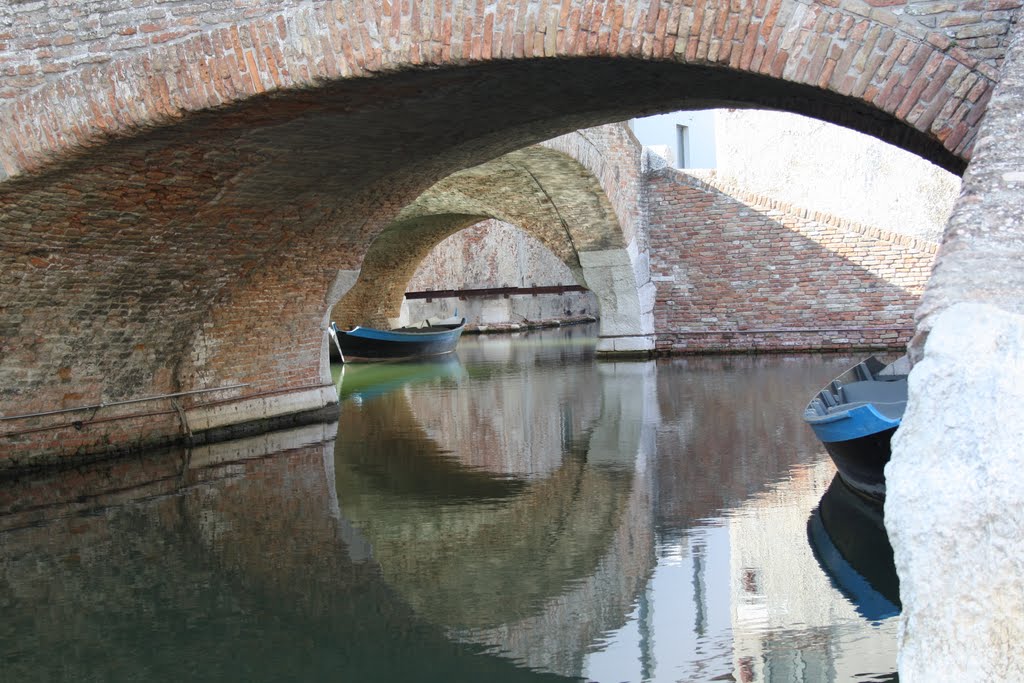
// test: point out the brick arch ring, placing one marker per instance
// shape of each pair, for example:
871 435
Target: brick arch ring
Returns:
175 211
920 79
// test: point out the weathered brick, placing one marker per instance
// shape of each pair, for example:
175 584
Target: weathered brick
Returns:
782 253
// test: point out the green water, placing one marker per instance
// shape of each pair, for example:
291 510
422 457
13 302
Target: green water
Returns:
518 511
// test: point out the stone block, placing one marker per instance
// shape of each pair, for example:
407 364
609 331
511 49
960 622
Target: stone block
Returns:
955 501
260 408
608 258
641 344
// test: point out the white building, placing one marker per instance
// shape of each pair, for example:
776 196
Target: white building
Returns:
808 163
685 138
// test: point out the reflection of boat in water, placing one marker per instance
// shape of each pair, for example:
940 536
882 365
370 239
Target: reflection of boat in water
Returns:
365 381
855 416
365 344
847 534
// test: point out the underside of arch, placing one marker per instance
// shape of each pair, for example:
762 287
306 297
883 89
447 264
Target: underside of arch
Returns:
195 259
542 191
879 58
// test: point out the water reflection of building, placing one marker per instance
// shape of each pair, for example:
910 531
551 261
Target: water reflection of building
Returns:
741 597
731 425
518 423
794 637
153 567
220 563
128 565
737 591
564 628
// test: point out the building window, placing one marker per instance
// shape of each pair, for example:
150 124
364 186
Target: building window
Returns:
682 146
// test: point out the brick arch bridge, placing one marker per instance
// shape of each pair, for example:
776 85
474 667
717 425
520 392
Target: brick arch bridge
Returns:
576 194
176 177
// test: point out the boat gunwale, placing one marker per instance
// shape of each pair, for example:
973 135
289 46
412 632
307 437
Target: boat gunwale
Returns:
865 417
428 333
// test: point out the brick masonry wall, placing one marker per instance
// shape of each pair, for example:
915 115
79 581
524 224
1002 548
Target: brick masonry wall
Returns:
493 254
738 272
490 254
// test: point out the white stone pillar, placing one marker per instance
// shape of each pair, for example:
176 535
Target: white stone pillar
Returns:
955 502
625 295
955 485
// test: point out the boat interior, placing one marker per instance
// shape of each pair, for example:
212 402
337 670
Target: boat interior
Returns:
866 383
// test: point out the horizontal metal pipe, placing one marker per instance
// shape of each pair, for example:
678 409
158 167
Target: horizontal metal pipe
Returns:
493 291
94 421
97 406
801 330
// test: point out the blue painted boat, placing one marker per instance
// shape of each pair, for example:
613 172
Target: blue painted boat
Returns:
855 417
366 344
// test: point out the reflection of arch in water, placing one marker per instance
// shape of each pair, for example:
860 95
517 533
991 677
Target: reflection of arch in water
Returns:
518 411
226 568
560 634
384 450
498 554
539 572
847 534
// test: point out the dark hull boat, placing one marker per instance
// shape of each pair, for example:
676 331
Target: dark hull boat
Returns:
365 344
855 416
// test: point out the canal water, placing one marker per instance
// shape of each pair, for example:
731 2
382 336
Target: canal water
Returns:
516 512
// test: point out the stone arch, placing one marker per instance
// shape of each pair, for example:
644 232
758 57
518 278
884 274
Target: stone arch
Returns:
190 61
174 213
547 192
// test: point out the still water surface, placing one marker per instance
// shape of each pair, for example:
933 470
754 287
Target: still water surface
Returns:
519 512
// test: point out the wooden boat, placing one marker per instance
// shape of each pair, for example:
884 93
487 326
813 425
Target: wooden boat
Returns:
365 344
855 416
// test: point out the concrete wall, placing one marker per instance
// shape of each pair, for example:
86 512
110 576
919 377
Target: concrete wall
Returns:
827 168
